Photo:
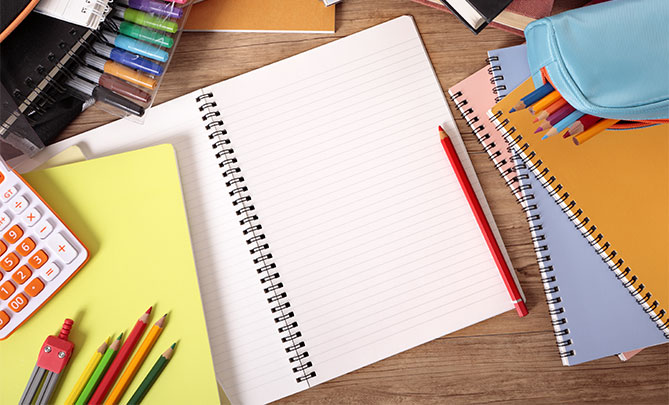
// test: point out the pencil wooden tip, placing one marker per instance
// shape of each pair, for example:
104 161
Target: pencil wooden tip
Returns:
116 344
442 133
103 347
160 322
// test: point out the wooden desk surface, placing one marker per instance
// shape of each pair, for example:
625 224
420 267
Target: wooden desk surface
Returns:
504 359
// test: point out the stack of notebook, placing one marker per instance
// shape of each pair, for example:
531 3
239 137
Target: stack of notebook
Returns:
593 313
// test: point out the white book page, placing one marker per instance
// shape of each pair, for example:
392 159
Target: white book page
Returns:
81 12
371 233
373 238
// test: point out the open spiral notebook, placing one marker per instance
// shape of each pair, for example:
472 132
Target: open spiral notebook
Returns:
329 230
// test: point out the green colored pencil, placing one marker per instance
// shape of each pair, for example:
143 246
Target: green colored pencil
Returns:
153 375
99 371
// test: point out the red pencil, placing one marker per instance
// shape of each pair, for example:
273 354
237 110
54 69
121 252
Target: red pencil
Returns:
481 219
119 361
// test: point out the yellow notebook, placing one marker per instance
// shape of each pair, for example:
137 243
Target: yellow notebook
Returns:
614 187
128 210
261 16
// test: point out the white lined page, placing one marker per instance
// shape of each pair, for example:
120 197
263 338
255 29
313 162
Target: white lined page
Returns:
370 231
373 238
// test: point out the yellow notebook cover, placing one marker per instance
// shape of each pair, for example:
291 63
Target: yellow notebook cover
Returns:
615 189
261 16
128 210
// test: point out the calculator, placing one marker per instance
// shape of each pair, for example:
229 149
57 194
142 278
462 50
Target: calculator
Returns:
38 252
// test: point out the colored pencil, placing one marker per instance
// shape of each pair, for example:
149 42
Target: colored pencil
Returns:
555 117
563 124
505 272
593 130
86 374
533 97
153 375
99 371
135 363
120 360
550 110
551 98
581 125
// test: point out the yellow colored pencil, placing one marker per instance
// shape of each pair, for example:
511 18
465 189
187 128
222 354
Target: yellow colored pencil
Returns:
83 379
135 363
551 98
593 130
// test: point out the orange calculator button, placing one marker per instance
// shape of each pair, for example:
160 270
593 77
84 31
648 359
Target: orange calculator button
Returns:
38 259
34 287
3 248
18 302
9 262
6 290
4 319
22 274
13 234
26 247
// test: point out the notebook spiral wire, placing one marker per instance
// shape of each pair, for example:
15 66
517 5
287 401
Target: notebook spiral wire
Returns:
528 159
522 193
496 77
270 278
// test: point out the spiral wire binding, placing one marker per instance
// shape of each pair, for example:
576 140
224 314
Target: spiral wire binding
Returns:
513 176
256 240
495 77
527 160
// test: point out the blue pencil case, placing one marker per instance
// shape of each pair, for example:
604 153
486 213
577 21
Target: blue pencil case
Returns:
610 59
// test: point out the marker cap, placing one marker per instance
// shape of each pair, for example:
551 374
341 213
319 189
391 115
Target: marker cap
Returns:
156 7
135 61
125 89
140 48
129 75
145 34
147 20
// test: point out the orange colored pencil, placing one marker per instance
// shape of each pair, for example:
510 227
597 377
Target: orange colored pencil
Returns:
598 128
551 98
550 110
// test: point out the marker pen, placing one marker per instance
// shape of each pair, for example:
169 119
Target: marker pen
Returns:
145 34
114 84
105 96
135 46
128 59
154 7
120 71
177 1
146 20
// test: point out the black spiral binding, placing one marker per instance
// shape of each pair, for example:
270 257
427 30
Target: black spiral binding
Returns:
256 239
496 77
513 175
529 161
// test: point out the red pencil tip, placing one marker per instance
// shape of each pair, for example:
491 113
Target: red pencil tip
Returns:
535 120
148 311
441 129
566 135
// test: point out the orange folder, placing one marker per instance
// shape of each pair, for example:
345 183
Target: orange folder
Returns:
261 16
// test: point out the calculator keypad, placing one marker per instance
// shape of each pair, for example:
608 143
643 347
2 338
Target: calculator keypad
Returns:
38 253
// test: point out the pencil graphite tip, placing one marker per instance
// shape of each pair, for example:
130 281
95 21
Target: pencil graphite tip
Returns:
566 134
148 311
512 110
535 120
544 137
538 130
173 345
120 336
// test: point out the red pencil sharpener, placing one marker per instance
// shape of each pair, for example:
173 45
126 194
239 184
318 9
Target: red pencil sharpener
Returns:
56 351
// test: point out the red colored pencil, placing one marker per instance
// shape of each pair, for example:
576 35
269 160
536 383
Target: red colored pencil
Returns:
482 221
581 125
119 361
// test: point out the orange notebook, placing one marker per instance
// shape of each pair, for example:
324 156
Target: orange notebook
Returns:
614 188
261 16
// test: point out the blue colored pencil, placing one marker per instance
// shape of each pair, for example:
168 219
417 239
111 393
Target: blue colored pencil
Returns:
533 97
564 123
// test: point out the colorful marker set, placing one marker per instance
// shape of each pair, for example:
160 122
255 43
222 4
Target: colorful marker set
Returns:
104 379
554 115
124 67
